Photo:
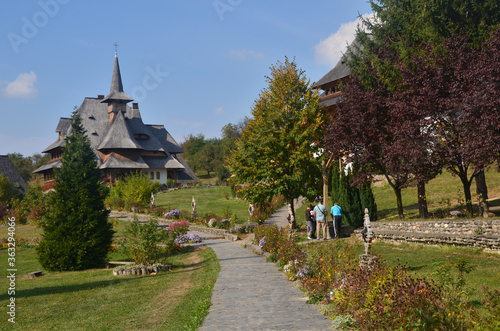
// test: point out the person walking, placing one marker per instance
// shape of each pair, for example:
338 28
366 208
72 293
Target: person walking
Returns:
311 222
336 213
320 211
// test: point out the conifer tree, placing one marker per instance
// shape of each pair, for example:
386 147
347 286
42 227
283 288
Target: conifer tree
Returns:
368 201
349 199
77 234
335 182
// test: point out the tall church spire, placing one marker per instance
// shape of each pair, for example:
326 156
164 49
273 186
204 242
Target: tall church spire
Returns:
116 93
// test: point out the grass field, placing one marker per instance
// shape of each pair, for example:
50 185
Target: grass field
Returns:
179 300
209 200
424 260
444 193
97 300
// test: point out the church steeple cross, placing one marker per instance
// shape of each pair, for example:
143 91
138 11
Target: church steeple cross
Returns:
116 47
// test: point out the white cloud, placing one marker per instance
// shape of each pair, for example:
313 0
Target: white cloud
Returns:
243 54
219 110
23 87
330 50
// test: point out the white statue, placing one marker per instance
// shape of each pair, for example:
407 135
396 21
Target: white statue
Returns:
152 199
251 209
367 233
193 204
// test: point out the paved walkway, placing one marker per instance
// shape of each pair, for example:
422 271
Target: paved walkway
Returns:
252 294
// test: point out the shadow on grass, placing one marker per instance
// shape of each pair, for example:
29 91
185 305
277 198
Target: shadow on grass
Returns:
381 214
50 290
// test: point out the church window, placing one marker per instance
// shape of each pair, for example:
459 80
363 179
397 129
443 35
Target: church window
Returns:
157 175
152 175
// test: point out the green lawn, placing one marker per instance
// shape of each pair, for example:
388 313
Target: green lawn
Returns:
424 260
209 200
95 299
444 193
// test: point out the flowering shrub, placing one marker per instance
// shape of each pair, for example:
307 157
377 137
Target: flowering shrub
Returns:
246 228
178 228
326 265
187 238
384 297
157 211
278 243
46 187
225 223
391 298
174 213
27 243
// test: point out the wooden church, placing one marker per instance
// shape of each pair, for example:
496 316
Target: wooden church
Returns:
121 141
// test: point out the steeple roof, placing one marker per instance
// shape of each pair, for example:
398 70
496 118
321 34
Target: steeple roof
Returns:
119 135
116 90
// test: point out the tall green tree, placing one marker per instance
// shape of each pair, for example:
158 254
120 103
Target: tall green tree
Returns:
192 145
8 192
275 153
402 30
77 234
26 165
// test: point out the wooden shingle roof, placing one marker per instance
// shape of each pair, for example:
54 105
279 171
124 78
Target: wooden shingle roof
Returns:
125 131
116 90
8 169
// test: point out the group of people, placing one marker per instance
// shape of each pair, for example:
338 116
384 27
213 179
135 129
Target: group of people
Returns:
316 218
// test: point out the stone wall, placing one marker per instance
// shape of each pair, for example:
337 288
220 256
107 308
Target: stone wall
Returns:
144 217
213 231
483 234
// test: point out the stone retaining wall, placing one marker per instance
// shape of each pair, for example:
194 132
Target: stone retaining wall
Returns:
483 234
144 217
213 231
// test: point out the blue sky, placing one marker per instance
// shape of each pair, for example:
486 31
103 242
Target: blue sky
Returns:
192 66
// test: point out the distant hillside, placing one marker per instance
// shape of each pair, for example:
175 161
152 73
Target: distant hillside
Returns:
444 193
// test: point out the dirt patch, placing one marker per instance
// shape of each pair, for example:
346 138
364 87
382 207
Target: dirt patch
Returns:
168 299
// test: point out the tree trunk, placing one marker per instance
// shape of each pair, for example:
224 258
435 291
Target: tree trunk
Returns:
292 211
422 200
468 197
397 190
325 169
482 194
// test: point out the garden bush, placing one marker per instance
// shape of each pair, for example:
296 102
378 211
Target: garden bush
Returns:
326 265
387 297
243 229
384 297
280 245
148 243
178 228
132 192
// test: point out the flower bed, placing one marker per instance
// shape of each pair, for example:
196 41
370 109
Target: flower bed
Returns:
383 297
